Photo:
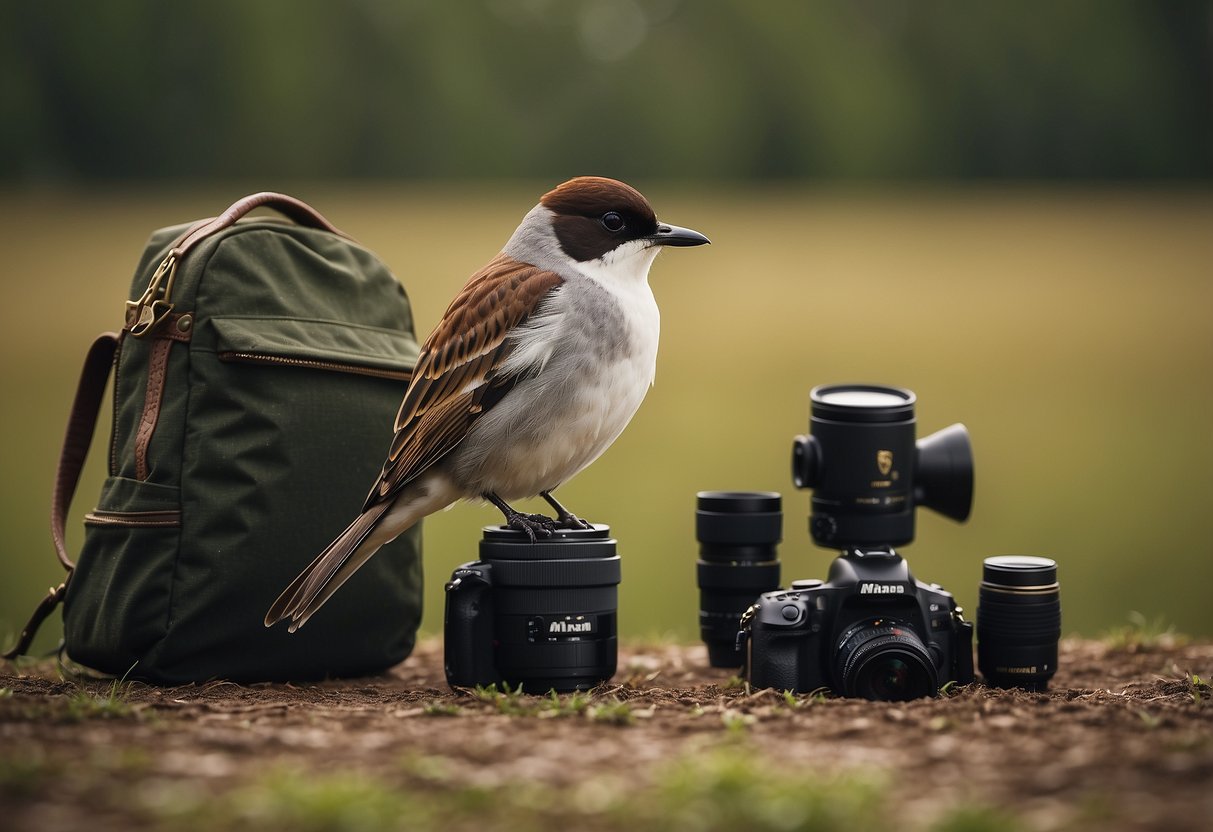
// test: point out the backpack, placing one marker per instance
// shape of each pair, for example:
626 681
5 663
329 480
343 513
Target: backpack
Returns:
255 385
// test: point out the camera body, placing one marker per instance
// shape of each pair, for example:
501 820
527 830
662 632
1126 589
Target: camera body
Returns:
537 615
871 630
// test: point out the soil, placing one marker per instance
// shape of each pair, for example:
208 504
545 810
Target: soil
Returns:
1122 740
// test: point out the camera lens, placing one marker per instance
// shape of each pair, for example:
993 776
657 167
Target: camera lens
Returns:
737 533
885 660
554 607
1018 621
867 472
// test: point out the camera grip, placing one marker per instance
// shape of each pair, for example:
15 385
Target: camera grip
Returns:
775 661
468 627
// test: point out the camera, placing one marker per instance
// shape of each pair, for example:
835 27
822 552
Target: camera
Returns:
540 616
871 629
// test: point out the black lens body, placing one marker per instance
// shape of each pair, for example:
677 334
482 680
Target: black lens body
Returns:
541 615
738 532
868 473
1018 622
871 631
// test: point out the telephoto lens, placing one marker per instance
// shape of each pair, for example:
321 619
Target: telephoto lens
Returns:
737 533
537 615
1018 622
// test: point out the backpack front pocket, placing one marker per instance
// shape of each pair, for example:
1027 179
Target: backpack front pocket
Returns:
119 596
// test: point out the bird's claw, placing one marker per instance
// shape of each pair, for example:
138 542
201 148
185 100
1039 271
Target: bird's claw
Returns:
533 525
572 521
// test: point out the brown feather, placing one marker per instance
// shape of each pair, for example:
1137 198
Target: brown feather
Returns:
312 580
468 346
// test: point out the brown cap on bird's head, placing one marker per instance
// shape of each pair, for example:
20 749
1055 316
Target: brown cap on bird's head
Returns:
593 215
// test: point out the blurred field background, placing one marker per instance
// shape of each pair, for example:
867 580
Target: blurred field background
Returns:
1006 209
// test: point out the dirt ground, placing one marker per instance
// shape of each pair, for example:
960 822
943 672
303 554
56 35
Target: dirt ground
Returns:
1123 740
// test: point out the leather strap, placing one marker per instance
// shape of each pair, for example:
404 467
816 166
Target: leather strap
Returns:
288 206
81 425
157 373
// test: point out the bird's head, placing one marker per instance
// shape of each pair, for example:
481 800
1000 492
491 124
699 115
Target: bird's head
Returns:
600 222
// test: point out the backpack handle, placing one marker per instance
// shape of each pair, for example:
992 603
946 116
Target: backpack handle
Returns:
155 305
288 206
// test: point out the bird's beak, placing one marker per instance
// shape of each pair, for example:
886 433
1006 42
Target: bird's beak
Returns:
673 235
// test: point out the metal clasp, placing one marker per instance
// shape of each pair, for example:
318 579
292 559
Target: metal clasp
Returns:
147 313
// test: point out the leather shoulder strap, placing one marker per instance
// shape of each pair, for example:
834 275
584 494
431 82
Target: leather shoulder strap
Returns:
81 425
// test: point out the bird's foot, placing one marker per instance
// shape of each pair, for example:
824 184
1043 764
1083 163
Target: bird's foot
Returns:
565 519
533 525
568 520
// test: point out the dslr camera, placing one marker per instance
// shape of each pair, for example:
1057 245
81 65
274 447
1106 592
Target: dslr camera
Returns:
871 629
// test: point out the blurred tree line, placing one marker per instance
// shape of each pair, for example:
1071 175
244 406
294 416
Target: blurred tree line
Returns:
693 89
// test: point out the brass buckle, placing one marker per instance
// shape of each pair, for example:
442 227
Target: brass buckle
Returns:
155 305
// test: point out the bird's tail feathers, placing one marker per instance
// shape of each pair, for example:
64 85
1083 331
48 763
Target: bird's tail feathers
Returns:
318 581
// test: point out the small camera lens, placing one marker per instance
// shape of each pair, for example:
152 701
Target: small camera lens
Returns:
556 603
738 532
885 660
1018 621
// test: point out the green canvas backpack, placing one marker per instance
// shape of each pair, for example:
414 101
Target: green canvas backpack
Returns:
255 384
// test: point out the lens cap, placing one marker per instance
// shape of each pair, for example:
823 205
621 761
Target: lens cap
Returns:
1019 571
862 403
502 542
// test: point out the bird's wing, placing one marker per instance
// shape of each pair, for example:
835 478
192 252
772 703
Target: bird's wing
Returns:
457 377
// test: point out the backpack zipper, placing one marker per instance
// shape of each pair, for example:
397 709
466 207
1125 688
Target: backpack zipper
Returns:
133 519
333 366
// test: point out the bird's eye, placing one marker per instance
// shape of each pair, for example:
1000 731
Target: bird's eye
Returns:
612 222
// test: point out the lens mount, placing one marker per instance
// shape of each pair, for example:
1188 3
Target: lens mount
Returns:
885 660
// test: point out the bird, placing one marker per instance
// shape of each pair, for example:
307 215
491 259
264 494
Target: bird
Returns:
535 368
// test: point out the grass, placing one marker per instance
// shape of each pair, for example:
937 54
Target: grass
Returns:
515 703
729 789
1142 634
112 704
611 712
1201 689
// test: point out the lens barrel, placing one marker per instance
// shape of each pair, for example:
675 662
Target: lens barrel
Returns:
859 460
1018 621
867 471
885 661
738 532
555 604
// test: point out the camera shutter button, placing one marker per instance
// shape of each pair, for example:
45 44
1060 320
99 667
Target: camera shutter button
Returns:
790 612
